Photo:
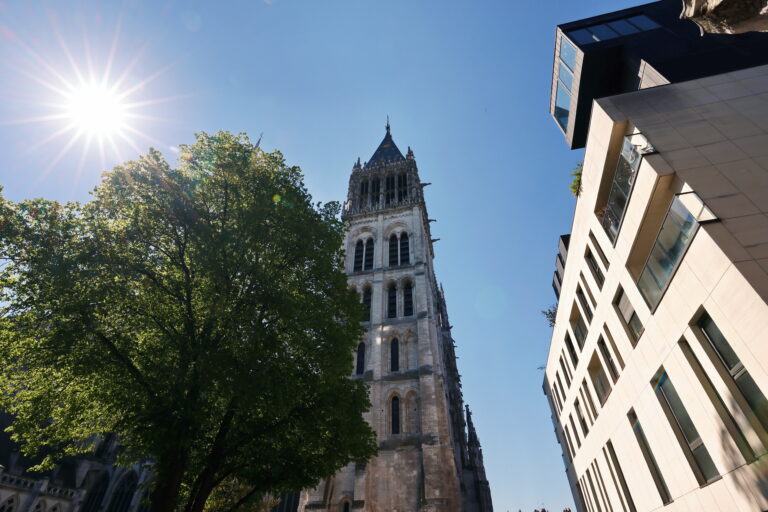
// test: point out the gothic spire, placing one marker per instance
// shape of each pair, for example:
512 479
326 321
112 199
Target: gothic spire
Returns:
387 152
471 433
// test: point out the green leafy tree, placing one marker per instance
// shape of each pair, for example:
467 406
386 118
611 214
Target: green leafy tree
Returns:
576 181
200 313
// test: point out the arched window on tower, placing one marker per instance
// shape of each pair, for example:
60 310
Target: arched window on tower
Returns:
363 200
360 366
389 190
367 302
402 187
9 505
375 191
368 263
405 250
95 494
395 414
408 299
392 301
393 250
346 506
358 266
394 355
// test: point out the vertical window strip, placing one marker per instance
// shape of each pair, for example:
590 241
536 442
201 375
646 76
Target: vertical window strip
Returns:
628 316
696 451
588 394
650 460
601 485
583 301
590 416
595 497
608 359
367 303
358 262
568 441
584 497
392 301
588 290
395 413
612 342
599 379
558 404
394 355
405 251
360 366
619 483
408 299
565 373
575 432
582 420
578 326
368 264
599 250
562 389
594 268
621 189
375 191
730 362
393 250
718 403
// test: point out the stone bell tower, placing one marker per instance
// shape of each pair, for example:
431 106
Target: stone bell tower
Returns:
406 356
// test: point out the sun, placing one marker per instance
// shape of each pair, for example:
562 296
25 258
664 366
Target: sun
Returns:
97 111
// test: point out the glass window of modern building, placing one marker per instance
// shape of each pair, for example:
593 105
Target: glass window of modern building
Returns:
676 233
565 70
628 316
621 188
612 29
702 463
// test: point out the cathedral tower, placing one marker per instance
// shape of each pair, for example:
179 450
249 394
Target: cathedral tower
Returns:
406 356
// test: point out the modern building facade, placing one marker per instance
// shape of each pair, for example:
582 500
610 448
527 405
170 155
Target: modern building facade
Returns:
430 457
637 48
657 374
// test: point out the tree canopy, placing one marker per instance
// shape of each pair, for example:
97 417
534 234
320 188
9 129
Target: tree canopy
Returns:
201 313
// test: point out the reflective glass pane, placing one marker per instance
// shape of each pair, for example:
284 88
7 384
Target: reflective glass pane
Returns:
622 27
602 32
754 397
581 36
567 53
718 341
643 22
649 286
705 463
635 326
565 76
562 106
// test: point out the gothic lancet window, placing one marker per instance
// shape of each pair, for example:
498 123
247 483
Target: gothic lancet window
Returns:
360 366
402 187
393 250
346 506
395 413
367 303
408 299
95 494
368 263
123 495
358 266
392 301
389 190
375 191
394 355
363 200
405 253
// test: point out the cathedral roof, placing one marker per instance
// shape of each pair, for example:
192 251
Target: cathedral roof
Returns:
386 152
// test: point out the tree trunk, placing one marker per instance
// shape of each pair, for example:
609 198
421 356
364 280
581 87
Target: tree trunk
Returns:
170 471
206 481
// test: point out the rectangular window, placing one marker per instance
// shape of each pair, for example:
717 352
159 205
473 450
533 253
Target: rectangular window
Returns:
598 378
748 388
701 462
567 53
594 267
617 474
675 235
650 460
392 302
389 191
375 191
601 485
595 497
588 396
562 389
557 402
578 326
613 29
599 250
628 316
613 346
575 432
718 403
565 76
608 358
363 194
402 187
568 441
583 301
571 351
580 416
408 300
565 372
562 106
621 188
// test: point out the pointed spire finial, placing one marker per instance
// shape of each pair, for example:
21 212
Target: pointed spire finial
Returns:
387 124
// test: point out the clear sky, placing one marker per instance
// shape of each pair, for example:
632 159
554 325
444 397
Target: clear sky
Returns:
466 85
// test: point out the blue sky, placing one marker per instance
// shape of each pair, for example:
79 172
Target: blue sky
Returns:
465 84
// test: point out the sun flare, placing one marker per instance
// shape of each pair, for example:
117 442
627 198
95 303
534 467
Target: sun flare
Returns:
96 111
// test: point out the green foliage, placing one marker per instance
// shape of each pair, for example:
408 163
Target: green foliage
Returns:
200 313
550 314
576 181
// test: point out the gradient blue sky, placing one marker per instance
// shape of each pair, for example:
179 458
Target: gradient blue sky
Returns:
466 85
